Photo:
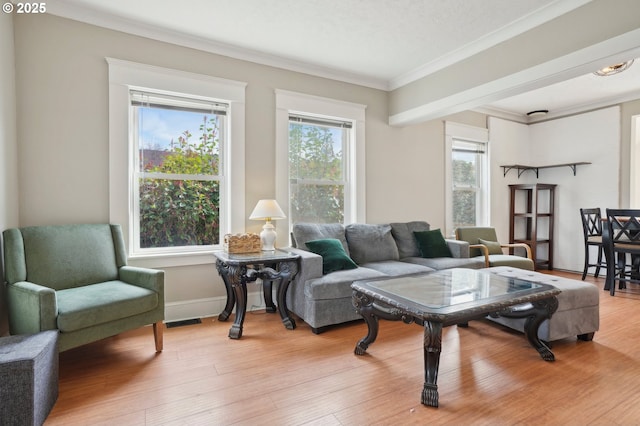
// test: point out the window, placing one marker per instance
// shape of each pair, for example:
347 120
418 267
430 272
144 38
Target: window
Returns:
178 173
468 171
318 160
467 177
320 168
176 162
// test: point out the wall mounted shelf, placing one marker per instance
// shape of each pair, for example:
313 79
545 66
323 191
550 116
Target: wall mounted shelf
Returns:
522 168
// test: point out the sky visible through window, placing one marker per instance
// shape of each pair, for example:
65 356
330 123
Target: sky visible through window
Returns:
336 136
158 127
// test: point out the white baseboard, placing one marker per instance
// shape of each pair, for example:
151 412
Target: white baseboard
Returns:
209 307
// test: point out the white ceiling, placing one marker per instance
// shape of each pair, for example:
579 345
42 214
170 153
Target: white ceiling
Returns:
377 43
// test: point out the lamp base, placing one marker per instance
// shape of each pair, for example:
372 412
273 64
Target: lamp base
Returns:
268 237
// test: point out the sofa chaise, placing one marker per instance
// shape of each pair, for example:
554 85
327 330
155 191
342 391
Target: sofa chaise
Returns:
578 313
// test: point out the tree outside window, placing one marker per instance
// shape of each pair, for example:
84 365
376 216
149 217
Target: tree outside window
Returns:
178 178
468 159
317 172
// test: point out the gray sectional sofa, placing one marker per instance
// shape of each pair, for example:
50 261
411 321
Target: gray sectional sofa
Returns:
323 300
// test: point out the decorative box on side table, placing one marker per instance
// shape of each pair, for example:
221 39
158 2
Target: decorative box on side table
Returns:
242 243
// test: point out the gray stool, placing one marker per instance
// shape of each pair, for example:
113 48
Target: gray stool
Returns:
28 377
578 313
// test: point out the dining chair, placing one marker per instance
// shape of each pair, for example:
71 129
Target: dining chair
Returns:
592 232
622 240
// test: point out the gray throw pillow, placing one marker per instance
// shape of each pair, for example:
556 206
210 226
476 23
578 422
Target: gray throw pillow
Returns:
371 243
303 232
406 242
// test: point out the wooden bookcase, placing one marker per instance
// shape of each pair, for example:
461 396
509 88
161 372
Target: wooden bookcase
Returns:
531 220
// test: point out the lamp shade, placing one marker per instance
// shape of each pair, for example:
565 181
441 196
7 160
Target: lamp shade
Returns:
267 210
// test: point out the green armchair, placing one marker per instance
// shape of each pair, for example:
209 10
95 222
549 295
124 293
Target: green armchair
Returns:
75 279
483 242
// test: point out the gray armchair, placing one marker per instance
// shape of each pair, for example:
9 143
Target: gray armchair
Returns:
75 279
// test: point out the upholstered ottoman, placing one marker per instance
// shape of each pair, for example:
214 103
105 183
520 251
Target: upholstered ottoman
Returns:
28 377
578 313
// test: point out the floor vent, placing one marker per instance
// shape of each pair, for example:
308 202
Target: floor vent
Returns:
183 322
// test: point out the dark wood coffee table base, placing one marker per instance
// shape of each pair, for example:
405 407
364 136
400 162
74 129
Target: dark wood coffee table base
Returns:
372 311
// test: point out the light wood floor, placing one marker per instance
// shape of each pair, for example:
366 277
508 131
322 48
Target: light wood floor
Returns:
273 376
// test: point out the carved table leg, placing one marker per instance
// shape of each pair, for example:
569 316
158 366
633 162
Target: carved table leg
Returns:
223 271
287 272
542 309
240 291
267 289
432 347
364 306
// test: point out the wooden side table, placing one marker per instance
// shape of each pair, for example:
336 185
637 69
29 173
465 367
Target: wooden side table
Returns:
239 269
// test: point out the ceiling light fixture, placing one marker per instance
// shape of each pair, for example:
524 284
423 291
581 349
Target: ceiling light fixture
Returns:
538 112
613 69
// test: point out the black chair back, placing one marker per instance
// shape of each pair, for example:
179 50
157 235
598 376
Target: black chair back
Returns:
591 222
624 227
622 239
592 233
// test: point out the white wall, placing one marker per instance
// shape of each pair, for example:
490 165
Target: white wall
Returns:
591 137
630 154
509 143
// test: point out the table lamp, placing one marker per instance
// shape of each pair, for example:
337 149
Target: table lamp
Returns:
267 210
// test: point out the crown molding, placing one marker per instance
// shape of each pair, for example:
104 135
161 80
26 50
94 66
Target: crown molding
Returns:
500 113
71 11
472 99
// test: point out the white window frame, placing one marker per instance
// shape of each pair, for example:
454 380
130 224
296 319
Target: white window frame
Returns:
139 173
463 132
298 103
125 75
347 134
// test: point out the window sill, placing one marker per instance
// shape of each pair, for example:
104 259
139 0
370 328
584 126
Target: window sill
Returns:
169 260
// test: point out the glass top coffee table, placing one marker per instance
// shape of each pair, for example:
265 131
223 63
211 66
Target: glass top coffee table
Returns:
453 296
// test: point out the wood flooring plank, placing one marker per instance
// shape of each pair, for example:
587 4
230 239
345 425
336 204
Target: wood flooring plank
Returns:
488 375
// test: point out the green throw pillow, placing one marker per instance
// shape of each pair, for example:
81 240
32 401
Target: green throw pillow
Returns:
493 246
334 258
432 244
